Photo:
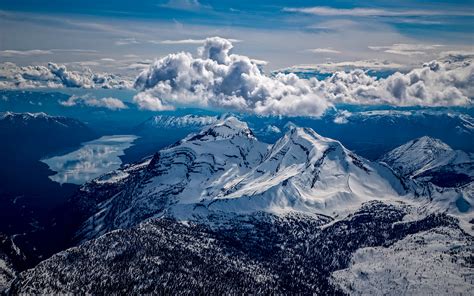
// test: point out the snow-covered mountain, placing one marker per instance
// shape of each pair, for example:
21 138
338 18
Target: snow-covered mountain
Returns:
185 121
40 124
183 175
429 159
220 212
306 172
225 170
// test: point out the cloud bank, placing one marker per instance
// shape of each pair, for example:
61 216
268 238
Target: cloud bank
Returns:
434 84
216 78
56 76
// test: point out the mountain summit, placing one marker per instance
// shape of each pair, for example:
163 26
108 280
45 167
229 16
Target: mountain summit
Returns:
430 159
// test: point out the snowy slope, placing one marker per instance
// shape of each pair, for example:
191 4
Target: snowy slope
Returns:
419 156
434 262
225 169
306 172
192 170
263 253
443 175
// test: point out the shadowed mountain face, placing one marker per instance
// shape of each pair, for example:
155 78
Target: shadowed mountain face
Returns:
27 194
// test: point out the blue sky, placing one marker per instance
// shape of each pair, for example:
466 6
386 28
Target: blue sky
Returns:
284 33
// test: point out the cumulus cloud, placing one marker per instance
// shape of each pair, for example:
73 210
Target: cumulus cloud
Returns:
56 76
434 84
217 78
86 100
456 55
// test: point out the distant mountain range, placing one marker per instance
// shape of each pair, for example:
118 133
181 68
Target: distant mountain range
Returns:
369 133
222 212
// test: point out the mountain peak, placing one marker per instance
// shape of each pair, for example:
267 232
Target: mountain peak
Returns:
310 139
226 128
430 143
419 155
26 115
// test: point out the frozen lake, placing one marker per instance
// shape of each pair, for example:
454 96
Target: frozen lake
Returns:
93 159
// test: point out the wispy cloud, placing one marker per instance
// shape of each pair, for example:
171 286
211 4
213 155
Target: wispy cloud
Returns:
346 66
75 50
185 5
32 52
324 50
189 41
406 49
36 52
126 41
361 12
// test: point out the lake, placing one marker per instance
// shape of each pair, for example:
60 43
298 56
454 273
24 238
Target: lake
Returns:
93 159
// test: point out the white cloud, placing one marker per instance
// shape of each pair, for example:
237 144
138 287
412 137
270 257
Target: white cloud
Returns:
126 41
273 129
190 41
324 50
86 100
219 79
457 54
56 76
345 66
406 49
434 84
185 5
32 52
365 12
341 117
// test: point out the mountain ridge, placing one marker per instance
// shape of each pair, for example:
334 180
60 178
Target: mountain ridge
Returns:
225 169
